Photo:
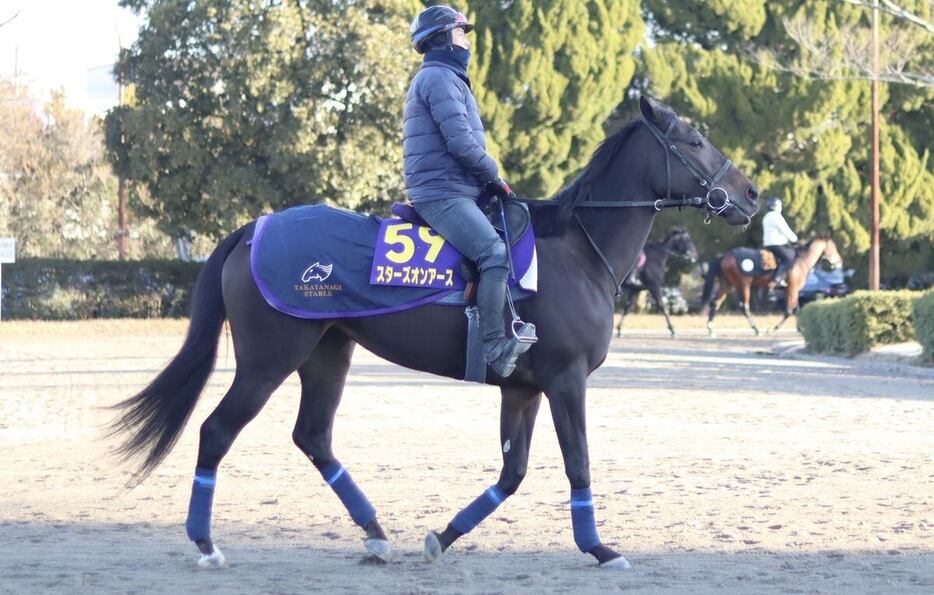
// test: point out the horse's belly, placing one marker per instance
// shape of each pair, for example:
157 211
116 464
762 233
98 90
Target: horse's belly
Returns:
430 339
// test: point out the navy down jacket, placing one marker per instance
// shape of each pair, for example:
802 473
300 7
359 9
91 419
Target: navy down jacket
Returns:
443 140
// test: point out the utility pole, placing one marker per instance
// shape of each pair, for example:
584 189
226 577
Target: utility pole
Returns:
122 231
874 200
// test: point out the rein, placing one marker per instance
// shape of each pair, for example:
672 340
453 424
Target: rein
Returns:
713 209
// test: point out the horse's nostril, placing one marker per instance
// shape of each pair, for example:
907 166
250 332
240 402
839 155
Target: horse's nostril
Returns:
752 192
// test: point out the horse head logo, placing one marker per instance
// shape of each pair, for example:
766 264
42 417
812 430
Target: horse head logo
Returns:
317 272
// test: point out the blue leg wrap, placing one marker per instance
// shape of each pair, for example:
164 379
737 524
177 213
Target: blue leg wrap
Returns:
582 518
198 524
479 509
360 509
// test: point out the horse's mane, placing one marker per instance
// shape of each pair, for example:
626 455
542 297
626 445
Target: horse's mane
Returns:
553 217
803 247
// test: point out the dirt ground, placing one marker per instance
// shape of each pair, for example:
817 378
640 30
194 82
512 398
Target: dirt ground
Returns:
715 468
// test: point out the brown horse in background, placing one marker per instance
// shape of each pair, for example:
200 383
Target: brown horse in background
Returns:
726 268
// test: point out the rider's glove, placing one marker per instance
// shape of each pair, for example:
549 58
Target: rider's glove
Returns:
500 188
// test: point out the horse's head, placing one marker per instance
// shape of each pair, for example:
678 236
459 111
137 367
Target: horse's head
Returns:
698 167
678 241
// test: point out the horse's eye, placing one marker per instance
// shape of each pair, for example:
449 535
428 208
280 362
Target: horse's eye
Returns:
697 143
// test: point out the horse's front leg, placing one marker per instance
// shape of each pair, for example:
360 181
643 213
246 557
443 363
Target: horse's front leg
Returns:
791 304
626 300
566 397
517 419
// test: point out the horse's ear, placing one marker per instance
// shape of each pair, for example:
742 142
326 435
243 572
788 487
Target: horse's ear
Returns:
653 111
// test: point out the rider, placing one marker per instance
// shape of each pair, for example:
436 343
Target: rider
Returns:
447 168
776 236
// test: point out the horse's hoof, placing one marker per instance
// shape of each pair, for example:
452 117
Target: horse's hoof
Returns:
620 563
379 548
433 548
213 560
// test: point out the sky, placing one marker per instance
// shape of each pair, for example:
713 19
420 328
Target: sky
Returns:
68 44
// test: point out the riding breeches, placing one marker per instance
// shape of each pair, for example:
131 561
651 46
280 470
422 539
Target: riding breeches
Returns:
784 254
461 222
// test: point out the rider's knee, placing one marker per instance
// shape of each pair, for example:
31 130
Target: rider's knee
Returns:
493 257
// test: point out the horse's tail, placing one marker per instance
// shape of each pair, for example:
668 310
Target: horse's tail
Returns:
155 416
713 271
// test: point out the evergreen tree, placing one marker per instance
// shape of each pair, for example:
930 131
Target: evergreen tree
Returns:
547 74
244 107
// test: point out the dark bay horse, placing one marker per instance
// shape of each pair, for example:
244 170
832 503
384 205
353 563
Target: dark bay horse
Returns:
726 269
651 276
589 235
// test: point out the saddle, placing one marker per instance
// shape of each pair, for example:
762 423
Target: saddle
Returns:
754 262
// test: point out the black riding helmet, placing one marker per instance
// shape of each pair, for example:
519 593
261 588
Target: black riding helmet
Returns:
435 20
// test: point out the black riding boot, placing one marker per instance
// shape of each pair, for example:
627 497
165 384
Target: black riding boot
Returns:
500 352
780 276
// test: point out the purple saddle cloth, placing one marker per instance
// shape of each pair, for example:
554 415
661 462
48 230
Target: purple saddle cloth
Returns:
315 261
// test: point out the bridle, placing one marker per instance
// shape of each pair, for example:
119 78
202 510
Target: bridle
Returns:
714 208
710 184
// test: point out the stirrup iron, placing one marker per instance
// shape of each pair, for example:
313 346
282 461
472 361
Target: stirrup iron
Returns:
526 330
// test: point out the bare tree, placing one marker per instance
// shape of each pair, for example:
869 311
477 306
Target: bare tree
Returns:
848 55
893 9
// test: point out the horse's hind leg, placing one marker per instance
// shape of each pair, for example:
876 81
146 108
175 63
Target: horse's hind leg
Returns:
323 377
517 419
715 304
261 368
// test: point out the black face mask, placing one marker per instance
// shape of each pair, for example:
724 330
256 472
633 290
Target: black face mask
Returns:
454 56
461 56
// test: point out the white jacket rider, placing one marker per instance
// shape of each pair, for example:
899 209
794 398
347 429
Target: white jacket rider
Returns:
777 235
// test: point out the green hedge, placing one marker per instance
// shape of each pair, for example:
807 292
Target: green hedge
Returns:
856 323
923 313
47 289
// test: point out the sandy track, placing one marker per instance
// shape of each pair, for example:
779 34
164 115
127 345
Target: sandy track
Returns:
714 469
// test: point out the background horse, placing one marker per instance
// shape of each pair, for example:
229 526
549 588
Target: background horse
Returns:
651 276
587 232
726 269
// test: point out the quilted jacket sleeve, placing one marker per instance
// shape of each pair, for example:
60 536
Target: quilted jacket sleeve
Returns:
447 103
